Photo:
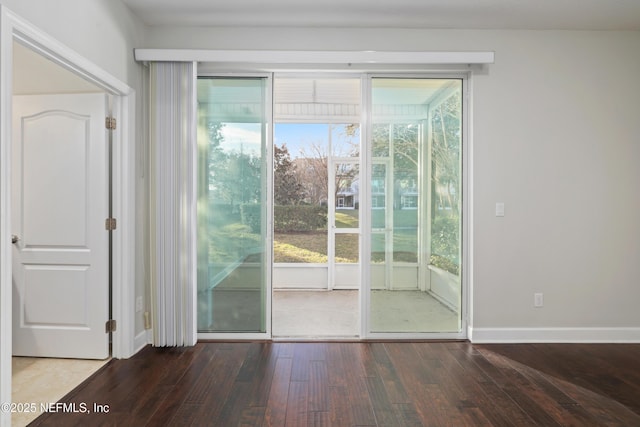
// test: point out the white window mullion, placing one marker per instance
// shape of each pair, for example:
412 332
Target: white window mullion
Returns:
365 207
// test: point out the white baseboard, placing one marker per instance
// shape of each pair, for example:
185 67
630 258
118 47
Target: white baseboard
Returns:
553 335
141 340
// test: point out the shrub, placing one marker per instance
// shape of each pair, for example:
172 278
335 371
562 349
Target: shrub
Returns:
445 264
445 243
299 218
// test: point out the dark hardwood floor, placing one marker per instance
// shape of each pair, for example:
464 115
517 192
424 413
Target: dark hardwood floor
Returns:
364 384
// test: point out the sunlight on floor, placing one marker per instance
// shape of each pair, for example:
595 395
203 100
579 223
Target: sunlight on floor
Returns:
39 380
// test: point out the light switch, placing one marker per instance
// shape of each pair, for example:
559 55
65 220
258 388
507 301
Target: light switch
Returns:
499 209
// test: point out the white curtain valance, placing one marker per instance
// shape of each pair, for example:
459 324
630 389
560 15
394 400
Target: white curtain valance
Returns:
316 57
173 225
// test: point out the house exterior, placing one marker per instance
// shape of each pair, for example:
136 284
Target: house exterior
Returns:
348 195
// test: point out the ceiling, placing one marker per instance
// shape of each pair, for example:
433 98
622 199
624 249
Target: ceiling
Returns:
435 14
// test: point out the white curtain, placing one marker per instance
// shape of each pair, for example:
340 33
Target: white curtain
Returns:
172 178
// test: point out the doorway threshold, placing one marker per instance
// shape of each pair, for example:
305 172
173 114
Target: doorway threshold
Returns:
316 339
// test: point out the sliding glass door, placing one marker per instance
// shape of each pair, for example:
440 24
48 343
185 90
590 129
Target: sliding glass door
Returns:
372 203
415 154
233 237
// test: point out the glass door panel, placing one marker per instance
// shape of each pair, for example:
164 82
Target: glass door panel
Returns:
415 143
316 127
344 270
347 196
232 208
316 191
347 247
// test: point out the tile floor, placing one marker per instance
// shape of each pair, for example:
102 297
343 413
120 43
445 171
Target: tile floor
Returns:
39 380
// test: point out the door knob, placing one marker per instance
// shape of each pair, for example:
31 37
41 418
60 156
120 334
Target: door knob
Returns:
14 239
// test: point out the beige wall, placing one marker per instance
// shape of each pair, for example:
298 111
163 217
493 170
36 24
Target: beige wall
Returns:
556 137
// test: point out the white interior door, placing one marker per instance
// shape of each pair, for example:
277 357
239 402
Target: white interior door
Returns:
60 203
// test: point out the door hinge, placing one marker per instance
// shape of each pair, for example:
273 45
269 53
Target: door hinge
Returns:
110 326
110 123
110 224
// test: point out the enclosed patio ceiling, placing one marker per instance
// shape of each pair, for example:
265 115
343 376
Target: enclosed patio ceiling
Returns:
327 100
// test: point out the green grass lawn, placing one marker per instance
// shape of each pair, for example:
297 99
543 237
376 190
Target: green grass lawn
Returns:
300 247
347 218
231 240
312 247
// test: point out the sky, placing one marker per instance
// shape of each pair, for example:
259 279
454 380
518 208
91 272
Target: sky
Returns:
246 137
298 136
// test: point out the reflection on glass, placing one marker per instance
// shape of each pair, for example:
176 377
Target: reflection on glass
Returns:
416 143
446 203
231 213
378 195
378 248
380 140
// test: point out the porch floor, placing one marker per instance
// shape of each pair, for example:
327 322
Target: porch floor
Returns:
336 313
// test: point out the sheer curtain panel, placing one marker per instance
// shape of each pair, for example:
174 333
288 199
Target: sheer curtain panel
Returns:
173 225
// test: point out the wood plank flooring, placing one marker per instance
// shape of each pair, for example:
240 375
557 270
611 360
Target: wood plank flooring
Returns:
363 384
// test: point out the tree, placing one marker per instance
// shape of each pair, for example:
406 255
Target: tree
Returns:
287 188
234 176
314 173
446 162
403 140
446 124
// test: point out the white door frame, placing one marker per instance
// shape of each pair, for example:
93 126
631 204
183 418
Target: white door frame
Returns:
12 27
332 230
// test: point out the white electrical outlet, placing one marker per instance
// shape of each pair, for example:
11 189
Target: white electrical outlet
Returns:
138 304
538 300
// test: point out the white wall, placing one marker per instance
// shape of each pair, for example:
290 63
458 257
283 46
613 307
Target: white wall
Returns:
557 139
104 32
